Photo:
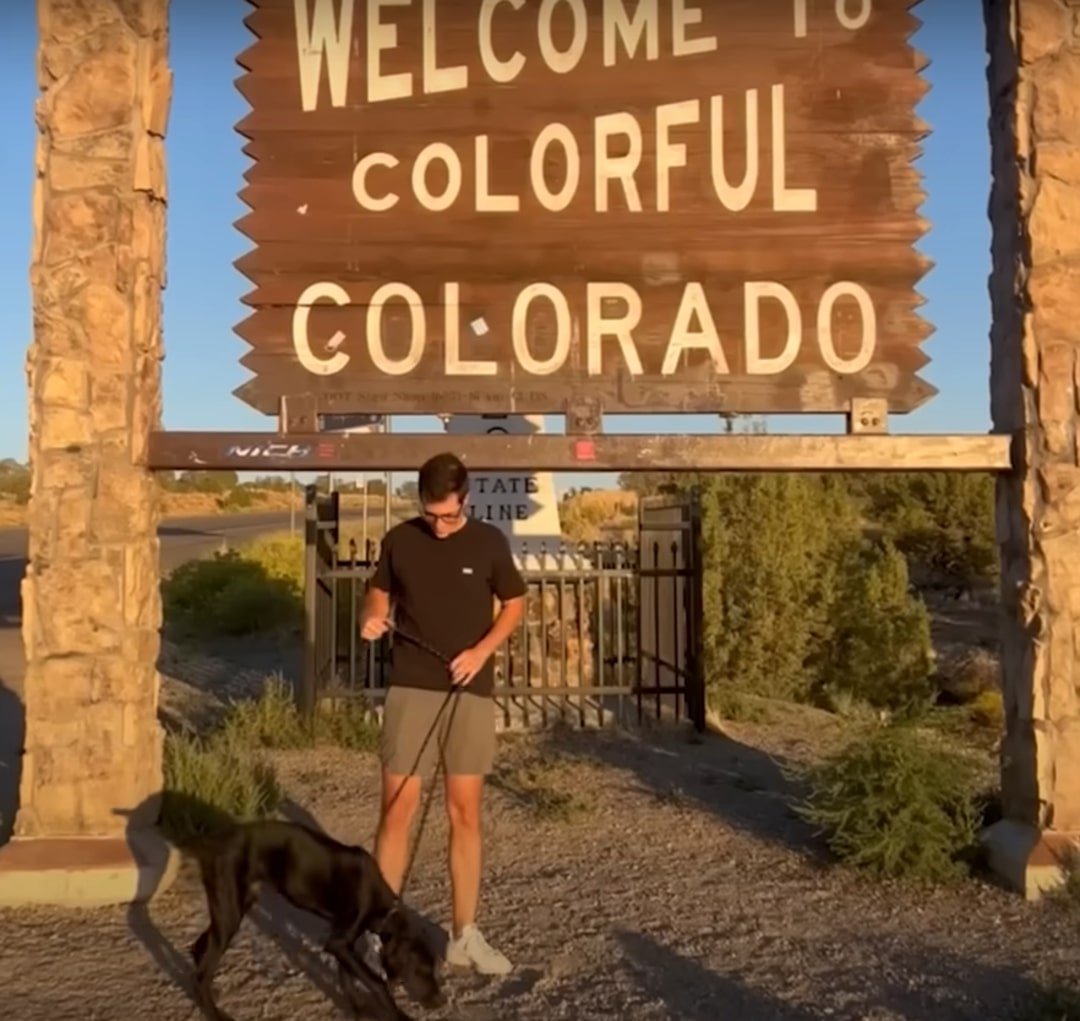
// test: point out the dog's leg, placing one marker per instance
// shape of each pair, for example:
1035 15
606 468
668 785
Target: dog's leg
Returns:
226 913
351 966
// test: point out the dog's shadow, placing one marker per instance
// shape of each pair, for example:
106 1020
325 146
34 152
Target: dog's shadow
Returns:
298 935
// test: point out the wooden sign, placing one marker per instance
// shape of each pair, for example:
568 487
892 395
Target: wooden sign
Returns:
507 205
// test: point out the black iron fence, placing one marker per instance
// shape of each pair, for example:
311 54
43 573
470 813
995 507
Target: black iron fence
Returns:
608 626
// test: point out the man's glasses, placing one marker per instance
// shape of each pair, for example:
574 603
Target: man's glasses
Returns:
452 518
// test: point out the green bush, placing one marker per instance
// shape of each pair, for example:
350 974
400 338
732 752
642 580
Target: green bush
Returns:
772 553
943 522
273 721
270 721
878 650
215 779
259 589
212 781
896 805
14 481
281 556
799 604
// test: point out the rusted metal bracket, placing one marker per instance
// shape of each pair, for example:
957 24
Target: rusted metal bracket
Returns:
868 416
584 416
299 414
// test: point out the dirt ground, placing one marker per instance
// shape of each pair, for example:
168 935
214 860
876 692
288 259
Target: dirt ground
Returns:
653 876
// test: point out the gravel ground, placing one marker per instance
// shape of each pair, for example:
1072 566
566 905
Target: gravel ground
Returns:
654 877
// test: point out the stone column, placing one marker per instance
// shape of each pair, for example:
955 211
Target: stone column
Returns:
91 605
1034 80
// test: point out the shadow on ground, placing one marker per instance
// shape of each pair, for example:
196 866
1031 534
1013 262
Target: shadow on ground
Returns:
745 787
691 991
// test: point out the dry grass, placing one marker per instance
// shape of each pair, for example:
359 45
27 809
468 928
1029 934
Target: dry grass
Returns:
599 515
198 505
545 788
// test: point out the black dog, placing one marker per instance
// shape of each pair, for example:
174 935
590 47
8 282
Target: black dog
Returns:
337 882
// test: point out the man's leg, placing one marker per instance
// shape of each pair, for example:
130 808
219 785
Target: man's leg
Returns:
400 796
470 753
464 795
406 752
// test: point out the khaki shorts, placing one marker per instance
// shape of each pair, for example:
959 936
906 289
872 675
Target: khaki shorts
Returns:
466 729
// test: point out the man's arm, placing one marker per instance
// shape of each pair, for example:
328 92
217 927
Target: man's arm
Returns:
509 617
375 613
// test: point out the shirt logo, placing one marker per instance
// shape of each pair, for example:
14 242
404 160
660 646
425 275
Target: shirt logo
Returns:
466 570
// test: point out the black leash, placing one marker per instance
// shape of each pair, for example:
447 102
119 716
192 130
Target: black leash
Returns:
440 764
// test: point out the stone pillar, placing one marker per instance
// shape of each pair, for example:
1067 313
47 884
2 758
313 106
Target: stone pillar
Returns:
91 604
1034 81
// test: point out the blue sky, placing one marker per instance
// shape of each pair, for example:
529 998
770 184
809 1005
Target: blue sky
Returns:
202 301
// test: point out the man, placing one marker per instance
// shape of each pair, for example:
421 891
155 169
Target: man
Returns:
443 572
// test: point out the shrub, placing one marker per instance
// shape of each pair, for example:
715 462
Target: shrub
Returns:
543 789
236 499
213 780
347 724
942 521
593 516
210 782
269 721
772 546
273 721
896 806
963 678
280 556
879 649
988 711
236 593
14 481
799 604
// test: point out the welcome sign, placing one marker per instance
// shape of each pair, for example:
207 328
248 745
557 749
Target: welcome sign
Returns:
497 206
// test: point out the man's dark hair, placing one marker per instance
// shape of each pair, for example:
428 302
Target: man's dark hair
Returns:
442 476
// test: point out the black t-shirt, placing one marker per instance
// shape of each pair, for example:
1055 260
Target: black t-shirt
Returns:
443 591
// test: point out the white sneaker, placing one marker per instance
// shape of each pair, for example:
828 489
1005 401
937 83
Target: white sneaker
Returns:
372 954
471 950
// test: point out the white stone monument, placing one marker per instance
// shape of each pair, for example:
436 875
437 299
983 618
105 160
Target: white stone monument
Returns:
524 506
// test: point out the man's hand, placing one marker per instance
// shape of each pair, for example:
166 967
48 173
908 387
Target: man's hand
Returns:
466 665
374 627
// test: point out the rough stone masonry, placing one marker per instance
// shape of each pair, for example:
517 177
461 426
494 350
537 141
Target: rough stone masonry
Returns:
1034 81
91 603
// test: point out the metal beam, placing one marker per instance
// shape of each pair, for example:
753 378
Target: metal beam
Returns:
262 451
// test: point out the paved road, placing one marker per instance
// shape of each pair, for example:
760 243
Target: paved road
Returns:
181 539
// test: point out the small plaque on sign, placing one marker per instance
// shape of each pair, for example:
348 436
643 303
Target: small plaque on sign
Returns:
585 450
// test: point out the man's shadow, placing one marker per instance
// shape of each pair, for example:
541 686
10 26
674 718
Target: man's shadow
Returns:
297 934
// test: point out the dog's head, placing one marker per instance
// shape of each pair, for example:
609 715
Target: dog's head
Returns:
409 959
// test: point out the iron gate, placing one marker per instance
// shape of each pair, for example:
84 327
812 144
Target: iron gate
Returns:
671 607
607 625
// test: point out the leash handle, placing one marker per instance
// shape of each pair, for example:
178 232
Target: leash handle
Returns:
393 628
